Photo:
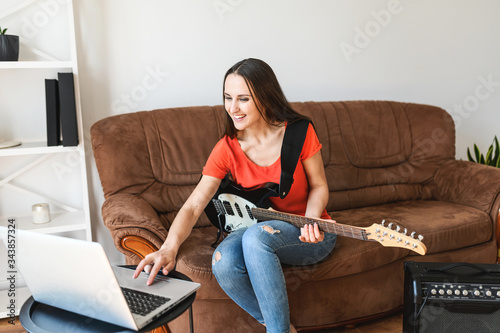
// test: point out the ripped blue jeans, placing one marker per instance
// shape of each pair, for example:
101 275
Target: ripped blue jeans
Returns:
247 265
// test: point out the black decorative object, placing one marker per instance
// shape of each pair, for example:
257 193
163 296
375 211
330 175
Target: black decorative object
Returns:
9 46
52 108
67 109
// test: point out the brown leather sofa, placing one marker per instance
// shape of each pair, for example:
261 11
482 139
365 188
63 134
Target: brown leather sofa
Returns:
383 160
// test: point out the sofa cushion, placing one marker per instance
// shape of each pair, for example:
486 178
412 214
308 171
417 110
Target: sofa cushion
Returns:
445 225
379 152
177 158
375 136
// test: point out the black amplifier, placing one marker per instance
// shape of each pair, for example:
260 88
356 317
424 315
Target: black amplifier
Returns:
451 297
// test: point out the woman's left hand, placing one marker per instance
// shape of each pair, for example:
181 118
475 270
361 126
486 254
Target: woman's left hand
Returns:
310 233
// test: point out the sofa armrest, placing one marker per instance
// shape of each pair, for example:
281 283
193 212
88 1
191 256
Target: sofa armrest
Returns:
469 184
135 226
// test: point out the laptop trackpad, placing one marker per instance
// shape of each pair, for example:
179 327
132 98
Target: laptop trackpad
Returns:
162 286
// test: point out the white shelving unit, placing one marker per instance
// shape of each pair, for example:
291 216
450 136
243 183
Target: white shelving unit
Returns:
33 172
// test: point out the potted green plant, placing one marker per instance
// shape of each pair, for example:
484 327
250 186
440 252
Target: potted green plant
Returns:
9 46
492 155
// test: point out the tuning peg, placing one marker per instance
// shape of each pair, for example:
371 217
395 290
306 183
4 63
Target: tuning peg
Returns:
390 225
405 231
398 228
383 221
412 235
420 237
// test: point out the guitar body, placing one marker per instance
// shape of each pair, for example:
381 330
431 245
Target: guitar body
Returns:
231 207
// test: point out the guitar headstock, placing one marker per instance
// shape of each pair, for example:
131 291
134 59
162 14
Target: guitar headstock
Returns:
387 236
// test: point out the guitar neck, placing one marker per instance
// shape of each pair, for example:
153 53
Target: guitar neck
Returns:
300 221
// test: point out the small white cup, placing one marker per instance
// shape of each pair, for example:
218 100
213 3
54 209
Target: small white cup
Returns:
41 213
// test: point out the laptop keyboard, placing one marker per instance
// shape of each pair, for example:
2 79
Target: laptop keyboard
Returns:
142 303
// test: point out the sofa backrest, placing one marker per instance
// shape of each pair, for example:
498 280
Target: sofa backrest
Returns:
378 152
374 152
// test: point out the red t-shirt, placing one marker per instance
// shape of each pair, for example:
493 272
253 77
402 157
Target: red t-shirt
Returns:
228 157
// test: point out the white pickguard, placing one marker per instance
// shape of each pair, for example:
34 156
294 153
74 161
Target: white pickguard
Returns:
241 209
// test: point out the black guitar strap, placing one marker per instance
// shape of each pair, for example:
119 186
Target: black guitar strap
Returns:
293 141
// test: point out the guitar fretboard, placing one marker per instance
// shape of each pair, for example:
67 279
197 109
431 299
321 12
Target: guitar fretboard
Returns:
300 221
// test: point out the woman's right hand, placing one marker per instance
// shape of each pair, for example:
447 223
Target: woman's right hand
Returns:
163 259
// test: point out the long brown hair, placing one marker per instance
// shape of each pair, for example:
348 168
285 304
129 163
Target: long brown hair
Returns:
266 93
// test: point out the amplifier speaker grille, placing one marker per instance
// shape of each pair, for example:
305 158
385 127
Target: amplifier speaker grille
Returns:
435 318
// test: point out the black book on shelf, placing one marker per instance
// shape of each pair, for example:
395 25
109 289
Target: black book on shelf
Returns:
52 109
67 105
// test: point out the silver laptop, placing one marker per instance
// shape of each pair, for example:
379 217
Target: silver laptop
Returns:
76 275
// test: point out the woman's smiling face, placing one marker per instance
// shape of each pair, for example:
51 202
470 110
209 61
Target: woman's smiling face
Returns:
240 104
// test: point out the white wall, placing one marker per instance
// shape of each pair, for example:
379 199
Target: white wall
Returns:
141 55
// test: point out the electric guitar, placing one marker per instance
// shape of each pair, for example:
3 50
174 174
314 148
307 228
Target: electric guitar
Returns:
234 207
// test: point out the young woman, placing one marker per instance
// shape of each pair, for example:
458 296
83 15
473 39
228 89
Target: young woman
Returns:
247 263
